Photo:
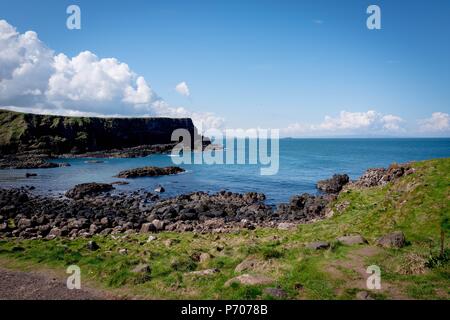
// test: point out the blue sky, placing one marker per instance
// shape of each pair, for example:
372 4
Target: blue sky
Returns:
266 63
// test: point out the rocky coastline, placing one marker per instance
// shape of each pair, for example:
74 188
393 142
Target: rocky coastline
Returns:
92 209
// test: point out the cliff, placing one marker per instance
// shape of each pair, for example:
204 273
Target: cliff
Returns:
21 132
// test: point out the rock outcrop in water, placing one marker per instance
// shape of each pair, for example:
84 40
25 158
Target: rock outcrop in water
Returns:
55 135
149 172
93 211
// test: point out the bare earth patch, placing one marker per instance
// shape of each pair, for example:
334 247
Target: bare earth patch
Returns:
353 271
19 285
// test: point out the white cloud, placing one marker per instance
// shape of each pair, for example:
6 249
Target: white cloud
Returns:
349 123
34 78
439 122
183 89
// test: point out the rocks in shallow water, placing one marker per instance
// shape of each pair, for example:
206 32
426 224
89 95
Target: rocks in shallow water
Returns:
28 175
318 245
149 172
351 240
83 190
251 280
120 183
160 189
97 212
392 240
334 184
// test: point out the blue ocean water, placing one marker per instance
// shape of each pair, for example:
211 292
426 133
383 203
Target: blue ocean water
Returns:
302 162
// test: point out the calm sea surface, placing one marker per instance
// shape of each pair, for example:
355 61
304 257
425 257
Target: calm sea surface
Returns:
302 162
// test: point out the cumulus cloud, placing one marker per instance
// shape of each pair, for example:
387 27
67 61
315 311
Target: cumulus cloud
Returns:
183 89
370 122
439 122
34 78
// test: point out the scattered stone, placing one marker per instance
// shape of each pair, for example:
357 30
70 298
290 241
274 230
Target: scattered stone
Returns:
206 272
351 240
318 245
276 293
392 240
123 251
93 246
247 264
286 226
204 257
363 295
248 279
147 227
83 190
151 238
334 184
141 268
158 225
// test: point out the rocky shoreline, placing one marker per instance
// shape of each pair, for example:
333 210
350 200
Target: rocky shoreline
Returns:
92 209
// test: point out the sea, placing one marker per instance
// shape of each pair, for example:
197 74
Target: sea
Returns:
301 163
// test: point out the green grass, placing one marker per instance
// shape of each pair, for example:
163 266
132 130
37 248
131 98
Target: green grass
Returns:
416 205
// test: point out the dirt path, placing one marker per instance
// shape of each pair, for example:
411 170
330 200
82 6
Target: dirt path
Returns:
355 263
19 285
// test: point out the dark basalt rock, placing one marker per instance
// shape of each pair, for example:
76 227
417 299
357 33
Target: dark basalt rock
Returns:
88 189
149 172
334 184
392 240
381 176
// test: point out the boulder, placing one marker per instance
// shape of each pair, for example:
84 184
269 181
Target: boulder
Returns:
24 223
158 224
206 272
351 240
141 268
392 240
318 245
147 227
93 246
334 184
247 264
160 189
204 257
276 293
286 226
83 190
250 280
